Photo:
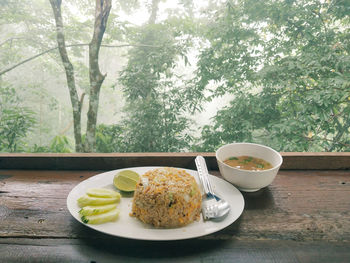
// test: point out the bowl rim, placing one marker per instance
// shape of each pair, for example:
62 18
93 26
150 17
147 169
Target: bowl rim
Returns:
255 144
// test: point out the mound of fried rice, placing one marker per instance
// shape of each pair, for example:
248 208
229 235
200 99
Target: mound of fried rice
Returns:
167 197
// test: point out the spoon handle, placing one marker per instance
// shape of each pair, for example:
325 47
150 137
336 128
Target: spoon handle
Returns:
203 175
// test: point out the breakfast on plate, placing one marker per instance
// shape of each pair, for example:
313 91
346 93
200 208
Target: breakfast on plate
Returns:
167 197
166 203
164 198
248 163
99 205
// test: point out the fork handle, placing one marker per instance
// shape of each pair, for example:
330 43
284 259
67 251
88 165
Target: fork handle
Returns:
203 175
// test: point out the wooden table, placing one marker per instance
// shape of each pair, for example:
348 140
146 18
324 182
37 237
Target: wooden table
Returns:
303 216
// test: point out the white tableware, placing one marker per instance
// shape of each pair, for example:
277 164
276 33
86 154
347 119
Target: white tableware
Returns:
247 180
130 227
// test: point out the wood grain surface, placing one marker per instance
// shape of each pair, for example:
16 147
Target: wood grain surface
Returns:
303 216
199 251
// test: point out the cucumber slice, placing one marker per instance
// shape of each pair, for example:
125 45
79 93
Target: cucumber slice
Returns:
102 192
89 200
109 216
95 210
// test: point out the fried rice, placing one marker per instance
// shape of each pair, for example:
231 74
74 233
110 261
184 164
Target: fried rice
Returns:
167 197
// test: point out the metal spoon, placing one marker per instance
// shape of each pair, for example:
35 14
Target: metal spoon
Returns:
213 207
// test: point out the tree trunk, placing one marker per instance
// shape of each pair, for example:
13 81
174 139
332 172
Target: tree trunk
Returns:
68 67
102 10
154 11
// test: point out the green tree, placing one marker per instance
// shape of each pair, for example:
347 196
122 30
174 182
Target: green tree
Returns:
284 63
287 64
96 77
73 26
155 101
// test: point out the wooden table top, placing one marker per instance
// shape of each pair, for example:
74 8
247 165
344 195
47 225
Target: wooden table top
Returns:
303 216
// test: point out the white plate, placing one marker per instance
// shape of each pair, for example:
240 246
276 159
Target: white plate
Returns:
131 227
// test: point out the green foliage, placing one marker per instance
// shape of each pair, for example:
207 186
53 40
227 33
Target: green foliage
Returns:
245 119
148 64
285 63
158 125
15 121
110 138
299 98
155 103
59 144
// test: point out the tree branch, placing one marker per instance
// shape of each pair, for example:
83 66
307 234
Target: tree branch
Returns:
72 45
10 40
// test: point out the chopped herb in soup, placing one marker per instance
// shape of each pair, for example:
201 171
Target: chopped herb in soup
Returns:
248 163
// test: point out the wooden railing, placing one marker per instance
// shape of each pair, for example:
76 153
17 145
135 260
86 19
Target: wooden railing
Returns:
108 161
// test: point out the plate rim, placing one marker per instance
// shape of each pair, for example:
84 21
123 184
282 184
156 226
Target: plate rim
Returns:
238 215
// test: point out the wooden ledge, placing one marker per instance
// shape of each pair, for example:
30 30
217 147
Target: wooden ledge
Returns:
109 161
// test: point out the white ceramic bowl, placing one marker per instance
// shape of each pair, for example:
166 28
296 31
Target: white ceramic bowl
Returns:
247 180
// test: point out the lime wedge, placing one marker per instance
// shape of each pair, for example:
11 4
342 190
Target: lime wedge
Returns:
126 180
130 174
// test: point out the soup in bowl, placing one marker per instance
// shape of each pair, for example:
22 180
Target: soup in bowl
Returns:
248 166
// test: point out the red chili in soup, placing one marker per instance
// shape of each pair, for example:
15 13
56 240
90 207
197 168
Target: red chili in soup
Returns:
248 163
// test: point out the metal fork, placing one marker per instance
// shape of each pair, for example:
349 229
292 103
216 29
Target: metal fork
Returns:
212 205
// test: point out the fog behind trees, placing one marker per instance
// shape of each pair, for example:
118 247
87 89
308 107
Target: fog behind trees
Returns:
176 76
